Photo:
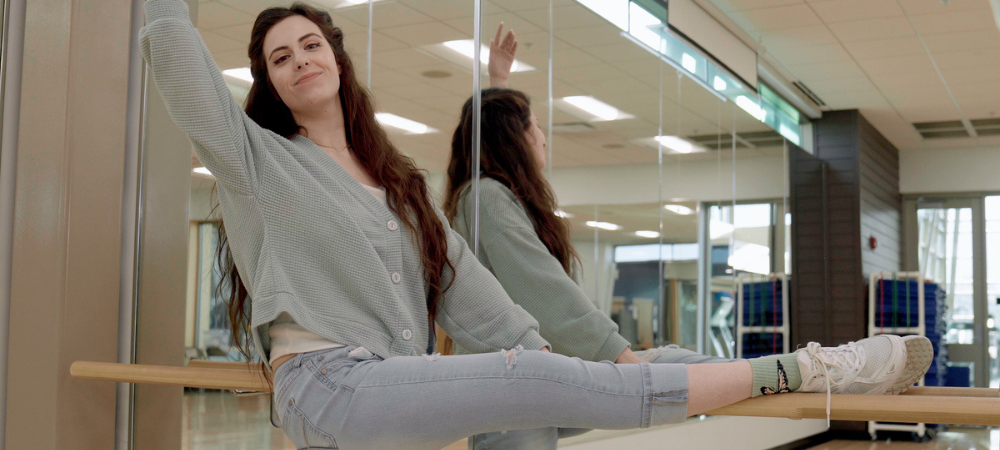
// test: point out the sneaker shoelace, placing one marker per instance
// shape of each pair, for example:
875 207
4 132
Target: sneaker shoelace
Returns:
846 357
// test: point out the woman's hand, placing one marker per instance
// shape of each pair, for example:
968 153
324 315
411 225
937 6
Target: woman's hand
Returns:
544 349
501 57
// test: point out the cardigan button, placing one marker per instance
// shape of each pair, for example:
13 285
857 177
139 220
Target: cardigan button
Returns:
392 225
396 278
407 335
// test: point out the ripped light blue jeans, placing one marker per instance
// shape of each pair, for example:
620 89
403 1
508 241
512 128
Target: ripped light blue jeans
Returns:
328 399
546 438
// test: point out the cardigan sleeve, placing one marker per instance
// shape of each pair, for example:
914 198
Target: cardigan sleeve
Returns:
536 281
225 139
476 312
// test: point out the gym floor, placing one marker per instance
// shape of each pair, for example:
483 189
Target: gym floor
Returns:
221 421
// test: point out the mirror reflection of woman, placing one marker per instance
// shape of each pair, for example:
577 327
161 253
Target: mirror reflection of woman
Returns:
338 264
526 245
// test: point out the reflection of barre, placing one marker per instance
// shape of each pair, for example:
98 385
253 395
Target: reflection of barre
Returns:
957 406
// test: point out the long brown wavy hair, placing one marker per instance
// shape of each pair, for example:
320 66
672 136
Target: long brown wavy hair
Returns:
506 156
406 189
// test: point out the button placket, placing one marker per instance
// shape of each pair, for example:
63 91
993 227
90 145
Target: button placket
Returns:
392 225
407 335
396 278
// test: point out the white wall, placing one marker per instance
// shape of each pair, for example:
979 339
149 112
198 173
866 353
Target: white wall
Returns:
949 170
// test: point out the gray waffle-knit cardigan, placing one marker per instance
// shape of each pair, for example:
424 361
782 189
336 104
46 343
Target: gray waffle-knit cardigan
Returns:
305 235
534 279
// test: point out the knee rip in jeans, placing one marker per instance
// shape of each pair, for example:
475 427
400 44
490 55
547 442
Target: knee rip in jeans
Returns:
432 356
511 355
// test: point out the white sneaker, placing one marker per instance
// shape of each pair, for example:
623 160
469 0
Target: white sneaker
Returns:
869 366
919 356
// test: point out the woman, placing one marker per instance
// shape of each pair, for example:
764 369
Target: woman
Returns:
528 248
350 285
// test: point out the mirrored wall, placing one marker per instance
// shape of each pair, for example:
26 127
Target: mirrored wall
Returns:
670 171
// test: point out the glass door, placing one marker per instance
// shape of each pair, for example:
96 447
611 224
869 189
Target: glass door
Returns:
950 252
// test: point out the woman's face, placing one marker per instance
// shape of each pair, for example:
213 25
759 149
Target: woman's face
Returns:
301 65
536 139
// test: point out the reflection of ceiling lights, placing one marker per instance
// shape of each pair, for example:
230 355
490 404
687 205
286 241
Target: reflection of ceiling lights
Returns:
598 110
603 225
647 234
202 171
751 107
719 84
460 53
677 144
688 62
564 214
243 73
403 123
679 209
718 228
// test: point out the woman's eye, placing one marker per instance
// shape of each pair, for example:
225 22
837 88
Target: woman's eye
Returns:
312 46
280 60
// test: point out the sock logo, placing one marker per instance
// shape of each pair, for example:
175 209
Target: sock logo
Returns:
782 383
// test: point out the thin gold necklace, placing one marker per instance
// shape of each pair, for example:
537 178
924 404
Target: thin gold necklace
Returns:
339 149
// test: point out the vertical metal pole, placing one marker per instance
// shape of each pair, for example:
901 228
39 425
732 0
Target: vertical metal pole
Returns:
551 110
371 14
661 299
477 104
12 49
980 308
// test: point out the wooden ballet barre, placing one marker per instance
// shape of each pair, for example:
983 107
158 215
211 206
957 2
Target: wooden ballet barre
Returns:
196 377
231 365
946 405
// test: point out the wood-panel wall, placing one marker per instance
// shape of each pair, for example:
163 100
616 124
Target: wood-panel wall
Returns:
845 193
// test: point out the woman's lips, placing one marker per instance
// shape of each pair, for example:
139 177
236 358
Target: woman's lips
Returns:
307 77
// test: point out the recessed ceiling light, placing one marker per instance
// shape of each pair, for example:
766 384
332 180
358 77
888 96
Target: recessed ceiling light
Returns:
403 123
676 144
202 171
243 73
647 234
679 209
603 225
564 214
597 109
466 49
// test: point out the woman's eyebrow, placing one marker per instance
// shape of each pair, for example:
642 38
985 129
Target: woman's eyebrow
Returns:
285 47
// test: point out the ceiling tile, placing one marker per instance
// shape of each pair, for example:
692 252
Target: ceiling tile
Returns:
953 22
777 18
442 9
799 36
396 59
218 43
565 17
883 48
810 54
898 65
213 15
826 71
956 77
872 29
969 40
740 5
850 10
935 7
424 33
618 52
386 15
983 59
